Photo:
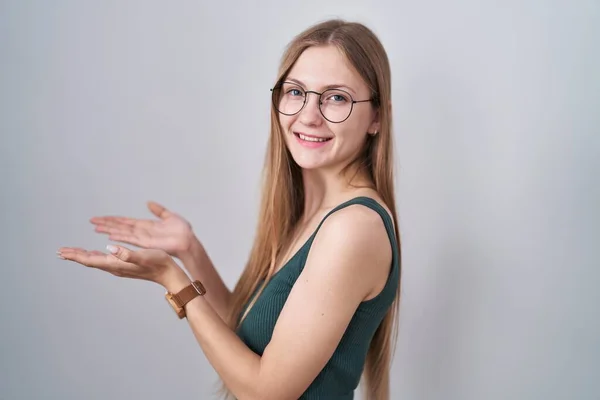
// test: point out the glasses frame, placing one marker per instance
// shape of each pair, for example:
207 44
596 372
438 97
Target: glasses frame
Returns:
306 92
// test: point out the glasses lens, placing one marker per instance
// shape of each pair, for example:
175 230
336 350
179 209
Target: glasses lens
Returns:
336 105
288 98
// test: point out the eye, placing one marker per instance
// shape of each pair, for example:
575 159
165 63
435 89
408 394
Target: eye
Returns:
336 97
291 90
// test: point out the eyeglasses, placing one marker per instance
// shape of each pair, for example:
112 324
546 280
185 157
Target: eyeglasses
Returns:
334 104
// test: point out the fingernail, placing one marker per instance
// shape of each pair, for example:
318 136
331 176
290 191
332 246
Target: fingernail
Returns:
112 249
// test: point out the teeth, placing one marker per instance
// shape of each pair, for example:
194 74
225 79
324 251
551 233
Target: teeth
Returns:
312 139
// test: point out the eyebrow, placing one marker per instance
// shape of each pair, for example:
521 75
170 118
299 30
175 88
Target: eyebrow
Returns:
331 86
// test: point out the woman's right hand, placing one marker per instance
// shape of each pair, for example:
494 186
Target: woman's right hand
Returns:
170 232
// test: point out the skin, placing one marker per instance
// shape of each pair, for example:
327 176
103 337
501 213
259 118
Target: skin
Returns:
173 234
348 262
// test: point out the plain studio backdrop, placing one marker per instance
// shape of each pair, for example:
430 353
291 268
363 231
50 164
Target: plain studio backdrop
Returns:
108 104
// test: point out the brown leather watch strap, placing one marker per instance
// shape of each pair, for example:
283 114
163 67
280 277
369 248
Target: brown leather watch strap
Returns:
188 293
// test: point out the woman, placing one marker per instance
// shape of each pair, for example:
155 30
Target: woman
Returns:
317 302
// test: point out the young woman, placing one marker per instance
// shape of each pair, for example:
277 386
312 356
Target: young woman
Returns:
316 305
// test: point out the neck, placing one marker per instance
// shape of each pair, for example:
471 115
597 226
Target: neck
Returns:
326 188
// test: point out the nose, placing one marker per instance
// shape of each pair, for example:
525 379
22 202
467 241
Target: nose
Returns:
310 113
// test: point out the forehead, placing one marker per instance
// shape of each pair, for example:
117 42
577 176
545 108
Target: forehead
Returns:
325 65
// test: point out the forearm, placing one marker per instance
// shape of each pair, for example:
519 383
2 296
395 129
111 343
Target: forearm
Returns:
199 265
237 365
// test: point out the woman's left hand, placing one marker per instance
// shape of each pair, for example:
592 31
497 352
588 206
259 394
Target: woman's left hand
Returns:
148 264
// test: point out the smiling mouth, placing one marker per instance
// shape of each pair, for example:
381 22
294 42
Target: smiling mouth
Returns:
312 138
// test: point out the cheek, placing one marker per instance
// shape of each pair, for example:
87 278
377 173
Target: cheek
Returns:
354 132
286 122
350 136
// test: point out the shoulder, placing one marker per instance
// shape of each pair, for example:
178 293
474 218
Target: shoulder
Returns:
353 246
353 224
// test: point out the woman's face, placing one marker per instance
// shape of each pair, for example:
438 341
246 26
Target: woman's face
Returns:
313 140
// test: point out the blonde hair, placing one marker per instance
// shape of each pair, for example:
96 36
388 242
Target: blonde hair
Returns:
283 194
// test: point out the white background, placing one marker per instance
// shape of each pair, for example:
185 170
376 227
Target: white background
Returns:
107 104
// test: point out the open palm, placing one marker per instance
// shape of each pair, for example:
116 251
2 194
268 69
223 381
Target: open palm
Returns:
147 264
170 232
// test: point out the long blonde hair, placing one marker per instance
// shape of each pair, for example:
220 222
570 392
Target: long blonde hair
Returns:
283 194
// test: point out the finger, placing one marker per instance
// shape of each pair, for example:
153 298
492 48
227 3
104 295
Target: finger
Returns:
130 239
127 230
137 236
123 253
72 251
159 210
98 260
67 252
121 222
109 219
62 249
93 259
141 230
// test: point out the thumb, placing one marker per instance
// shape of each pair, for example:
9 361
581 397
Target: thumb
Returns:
158 210
122 253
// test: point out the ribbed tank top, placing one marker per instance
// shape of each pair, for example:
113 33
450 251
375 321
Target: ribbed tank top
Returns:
341 375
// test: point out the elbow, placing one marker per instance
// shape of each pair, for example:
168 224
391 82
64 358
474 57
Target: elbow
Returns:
270 385
269 392
266 396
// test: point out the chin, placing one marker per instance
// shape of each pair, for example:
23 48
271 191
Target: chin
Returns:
310 166
308 161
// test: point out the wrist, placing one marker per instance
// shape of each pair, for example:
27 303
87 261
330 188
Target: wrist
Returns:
175 279
189 255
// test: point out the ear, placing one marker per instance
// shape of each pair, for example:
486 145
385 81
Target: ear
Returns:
375 126
375 123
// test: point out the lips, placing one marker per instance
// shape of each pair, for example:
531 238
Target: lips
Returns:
312 138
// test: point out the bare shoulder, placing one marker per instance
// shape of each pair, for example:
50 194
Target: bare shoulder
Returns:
353 243
354 223
360 225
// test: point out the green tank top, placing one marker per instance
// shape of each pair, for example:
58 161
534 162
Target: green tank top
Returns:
341 375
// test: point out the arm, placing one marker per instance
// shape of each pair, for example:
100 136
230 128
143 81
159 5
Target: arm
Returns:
347 260
197 262
173 234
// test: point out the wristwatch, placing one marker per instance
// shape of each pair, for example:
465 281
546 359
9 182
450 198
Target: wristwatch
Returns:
180 299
